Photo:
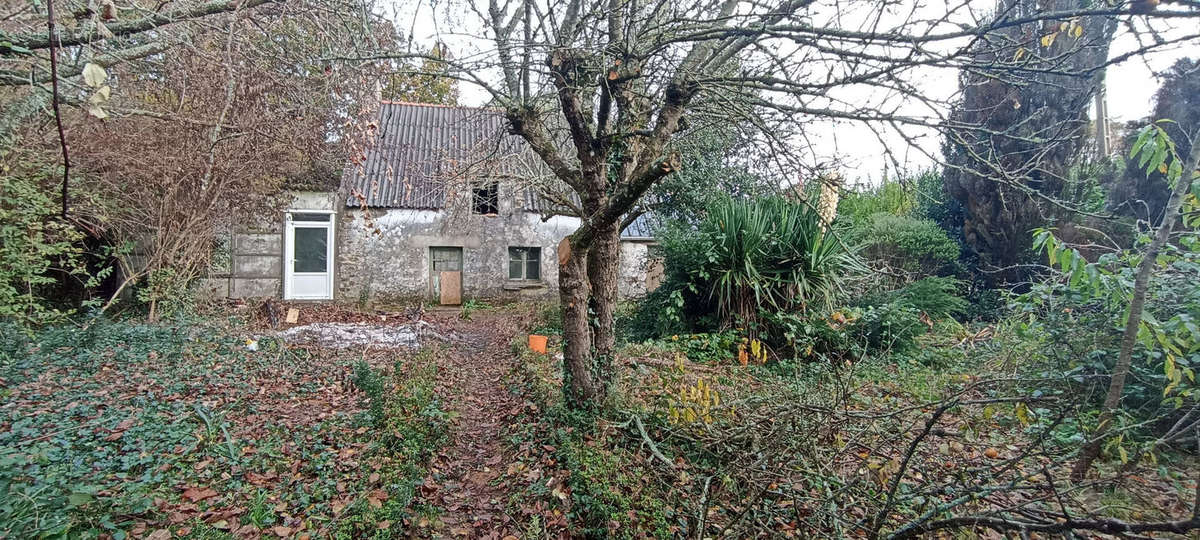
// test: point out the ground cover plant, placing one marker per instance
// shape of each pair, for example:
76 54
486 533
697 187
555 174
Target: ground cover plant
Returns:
122 429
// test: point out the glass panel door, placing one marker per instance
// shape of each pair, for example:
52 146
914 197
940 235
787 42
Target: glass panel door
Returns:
308 264
311 249
444 259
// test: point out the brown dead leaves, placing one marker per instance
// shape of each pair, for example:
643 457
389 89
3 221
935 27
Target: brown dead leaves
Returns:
195 494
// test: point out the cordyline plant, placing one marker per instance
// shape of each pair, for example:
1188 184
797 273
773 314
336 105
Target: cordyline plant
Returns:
770 254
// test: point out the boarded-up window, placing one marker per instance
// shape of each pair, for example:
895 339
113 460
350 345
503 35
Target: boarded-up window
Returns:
524 263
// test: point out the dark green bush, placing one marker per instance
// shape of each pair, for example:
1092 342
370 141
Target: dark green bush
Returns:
889 327
913 246
936 297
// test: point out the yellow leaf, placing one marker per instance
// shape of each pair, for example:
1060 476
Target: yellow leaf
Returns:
1078 31
1048 39
96 111
1019 54
94 75
1022 413
1162 168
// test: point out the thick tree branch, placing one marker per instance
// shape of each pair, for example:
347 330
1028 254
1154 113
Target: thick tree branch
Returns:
150 22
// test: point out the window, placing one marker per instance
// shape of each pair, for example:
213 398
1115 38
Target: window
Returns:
446 259
485 198
524 263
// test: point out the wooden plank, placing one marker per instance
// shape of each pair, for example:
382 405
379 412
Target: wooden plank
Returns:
451 288
293 315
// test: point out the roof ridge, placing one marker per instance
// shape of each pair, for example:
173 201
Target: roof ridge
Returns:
440 105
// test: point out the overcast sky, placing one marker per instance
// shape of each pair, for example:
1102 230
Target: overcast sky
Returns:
1130 89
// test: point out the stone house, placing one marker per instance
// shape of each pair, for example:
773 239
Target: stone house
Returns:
441 204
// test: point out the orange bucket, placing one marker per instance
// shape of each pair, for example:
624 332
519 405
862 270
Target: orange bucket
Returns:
537 343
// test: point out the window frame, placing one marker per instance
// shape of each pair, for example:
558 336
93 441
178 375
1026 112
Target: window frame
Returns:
532 254
485 194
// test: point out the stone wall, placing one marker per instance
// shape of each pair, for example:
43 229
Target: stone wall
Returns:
634 261
385 254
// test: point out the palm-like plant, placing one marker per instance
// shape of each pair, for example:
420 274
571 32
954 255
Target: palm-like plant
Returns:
770 253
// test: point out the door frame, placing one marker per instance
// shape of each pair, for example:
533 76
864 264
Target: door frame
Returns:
289 237
434 291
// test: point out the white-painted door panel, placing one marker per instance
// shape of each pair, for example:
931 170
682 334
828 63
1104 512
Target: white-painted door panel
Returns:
308 259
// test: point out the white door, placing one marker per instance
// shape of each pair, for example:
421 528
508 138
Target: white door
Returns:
308 256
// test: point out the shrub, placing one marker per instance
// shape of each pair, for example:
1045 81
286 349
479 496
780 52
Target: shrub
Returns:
916 247
715 347
893 326
750 255
1086 333
891 196
936 297
34 243
811 337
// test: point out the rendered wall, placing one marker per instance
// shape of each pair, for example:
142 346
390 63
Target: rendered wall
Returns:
384 255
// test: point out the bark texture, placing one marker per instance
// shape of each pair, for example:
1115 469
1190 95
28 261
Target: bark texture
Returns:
582 388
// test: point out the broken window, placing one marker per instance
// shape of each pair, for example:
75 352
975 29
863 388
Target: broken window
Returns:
524 263
485 198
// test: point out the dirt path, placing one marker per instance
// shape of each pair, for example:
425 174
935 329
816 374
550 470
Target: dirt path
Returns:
471 380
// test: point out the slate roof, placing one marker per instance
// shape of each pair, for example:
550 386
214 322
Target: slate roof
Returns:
419 150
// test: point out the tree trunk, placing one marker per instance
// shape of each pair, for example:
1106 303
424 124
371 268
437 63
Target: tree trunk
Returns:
603 268
583 390
1141 285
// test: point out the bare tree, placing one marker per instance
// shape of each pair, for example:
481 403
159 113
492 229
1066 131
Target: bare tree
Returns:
619 81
